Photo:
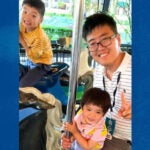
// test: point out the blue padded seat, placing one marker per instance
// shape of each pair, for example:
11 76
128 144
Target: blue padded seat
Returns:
50 83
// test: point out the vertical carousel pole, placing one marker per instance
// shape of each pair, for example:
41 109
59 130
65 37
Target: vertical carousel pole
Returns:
76 47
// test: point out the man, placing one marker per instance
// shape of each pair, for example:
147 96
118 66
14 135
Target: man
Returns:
113 74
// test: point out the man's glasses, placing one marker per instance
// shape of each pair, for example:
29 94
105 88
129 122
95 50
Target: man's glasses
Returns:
104 42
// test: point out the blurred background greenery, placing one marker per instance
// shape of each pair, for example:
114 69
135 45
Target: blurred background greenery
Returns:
58 19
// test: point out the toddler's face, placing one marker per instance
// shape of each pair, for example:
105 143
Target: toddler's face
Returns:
30 18
92 113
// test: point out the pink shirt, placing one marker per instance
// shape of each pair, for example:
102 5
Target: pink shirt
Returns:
96 132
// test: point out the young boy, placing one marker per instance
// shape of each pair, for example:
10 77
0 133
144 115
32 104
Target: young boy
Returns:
35 41
88 128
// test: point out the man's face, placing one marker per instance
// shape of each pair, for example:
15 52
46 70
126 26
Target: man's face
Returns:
104 55
30 18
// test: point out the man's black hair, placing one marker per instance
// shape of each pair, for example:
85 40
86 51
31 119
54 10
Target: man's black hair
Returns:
98 19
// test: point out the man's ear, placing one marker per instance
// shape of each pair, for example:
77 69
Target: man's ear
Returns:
119 38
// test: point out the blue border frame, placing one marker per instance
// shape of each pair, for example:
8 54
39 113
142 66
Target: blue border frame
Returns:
9 74
140 75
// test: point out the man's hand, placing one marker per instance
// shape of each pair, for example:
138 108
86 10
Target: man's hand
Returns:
125 110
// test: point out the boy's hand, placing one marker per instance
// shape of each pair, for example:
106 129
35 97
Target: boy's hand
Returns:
23 43
21 40
125 110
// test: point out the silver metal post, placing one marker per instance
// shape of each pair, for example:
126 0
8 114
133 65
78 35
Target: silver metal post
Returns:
76 48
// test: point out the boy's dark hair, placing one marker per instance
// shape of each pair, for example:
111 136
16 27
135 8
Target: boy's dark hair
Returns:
98 19
37 4
97 97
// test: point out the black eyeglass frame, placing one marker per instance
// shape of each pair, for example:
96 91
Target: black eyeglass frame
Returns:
96 45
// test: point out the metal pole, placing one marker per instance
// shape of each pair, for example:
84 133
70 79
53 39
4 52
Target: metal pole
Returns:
76 47
106 5
97 5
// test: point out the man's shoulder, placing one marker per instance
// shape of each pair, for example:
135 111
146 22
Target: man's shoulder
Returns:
128 56
99 68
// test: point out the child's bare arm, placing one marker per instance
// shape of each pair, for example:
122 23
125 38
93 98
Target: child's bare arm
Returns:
84 143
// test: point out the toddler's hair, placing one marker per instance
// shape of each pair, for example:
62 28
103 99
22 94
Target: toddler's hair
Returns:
98 97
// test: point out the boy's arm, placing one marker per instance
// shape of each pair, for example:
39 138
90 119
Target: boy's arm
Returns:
23 43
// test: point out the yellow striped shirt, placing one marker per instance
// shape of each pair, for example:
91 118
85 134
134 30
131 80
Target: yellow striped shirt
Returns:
39 44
